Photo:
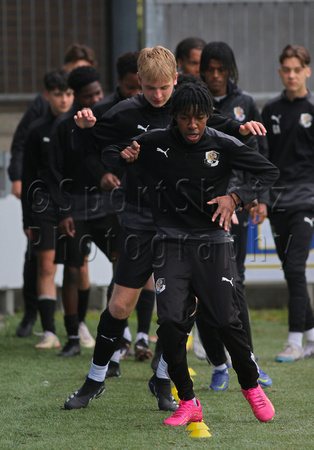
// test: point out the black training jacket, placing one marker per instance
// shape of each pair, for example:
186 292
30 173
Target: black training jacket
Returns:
183 177
72 187
36 110
240 106
35 174
290 136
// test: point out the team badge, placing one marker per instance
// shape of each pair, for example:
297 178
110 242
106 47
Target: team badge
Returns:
238 113
306 120
211 158
160 285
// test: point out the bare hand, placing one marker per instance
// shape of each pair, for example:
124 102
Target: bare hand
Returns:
130 153
258 213
16 189
225 208
85 118
67 226
234 219
109 181
252 127
251 205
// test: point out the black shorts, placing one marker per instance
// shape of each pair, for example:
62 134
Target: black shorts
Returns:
105 232
45 232
135 264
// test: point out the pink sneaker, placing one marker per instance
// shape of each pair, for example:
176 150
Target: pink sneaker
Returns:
187 412
261 405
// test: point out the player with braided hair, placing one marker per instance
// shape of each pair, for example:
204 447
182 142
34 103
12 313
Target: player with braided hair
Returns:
195 96
187 169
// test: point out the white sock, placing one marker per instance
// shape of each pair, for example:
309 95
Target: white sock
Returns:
142 336
116 356
127 334
162 369
309 334
98 373
294 337
221 367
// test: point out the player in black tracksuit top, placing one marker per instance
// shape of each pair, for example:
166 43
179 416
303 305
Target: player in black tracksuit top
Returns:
127 87
39 217
184 170
37 109
289 119
85 212
219 71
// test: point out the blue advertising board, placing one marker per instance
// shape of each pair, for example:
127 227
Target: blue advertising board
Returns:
262 262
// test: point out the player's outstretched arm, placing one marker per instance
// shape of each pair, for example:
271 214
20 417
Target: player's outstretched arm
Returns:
85 118
252 127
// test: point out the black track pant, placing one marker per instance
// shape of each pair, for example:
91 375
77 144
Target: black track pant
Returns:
207 272
293 233
213 345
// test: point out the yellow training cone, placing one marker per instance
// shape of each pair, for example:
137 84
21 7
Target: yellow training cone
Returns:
175 393
191 372
200 433
197 426
189 343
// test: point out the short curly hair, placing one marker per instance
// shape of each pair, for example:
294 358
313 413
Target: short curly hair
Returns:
81 77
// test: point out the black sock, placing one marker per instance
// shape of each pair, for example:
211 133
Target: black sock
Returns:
109 333
83 297
47 306
89 386
71 324
144 309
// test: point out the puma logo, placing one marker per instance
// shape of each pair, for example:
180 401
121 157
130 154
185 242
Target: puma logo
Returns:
308 220
163 151
140 127
276 119
229 281
108 339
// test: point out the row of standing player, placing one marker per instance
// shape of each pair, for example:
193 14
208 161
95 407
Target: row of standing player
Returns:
223 369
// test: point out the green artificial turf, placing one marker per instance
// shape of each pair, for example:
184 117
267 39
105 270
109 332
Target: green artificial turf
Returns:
35 383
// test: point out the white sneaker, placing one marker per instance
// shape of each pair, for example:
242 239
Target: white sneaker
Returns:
48 340
291 353
86 339
308 350
198 346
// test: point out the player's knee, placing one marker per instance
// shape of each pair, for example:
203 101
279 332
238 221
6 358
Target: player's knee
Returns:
46 268
120 308
70 275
